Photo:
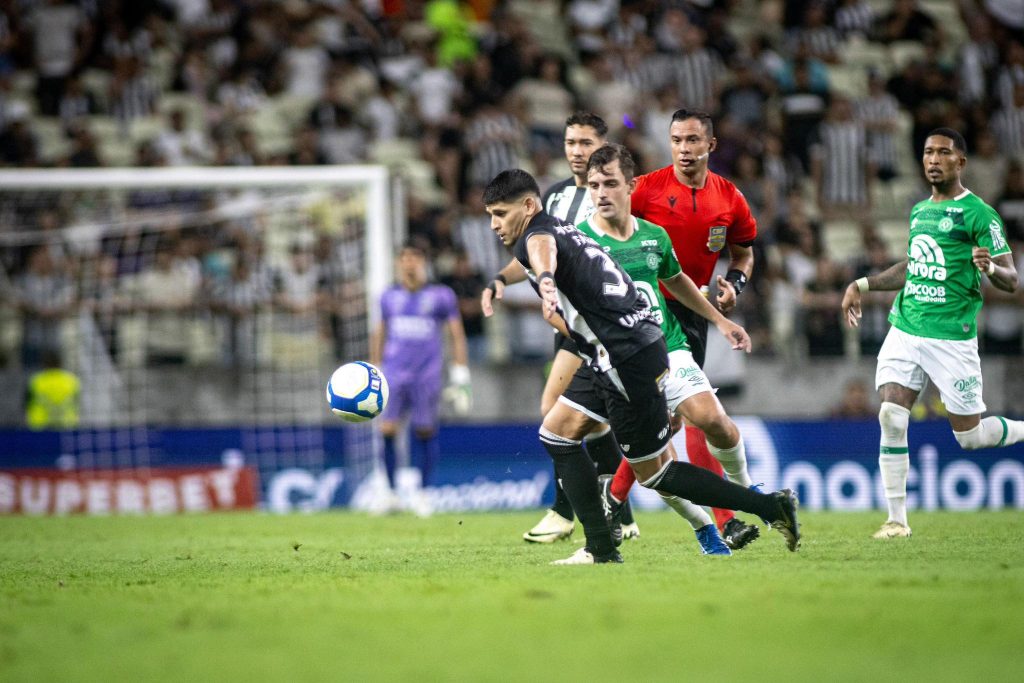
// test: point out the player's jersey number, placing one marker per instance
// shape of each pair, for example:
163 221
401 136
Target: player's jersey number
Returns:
619 286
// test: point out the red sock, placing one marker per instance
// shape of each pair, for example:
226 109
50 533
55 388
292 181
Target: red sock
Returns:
697 450
623 481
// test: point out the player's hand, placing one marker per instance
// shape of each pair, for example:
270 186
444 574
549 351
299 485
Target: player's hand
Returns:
737 336
982 258
851 305
549 297
459 392
726 295
494 290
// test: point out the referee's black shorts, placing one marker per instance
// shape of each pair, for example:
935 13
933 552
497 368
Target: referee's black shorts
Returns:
694 326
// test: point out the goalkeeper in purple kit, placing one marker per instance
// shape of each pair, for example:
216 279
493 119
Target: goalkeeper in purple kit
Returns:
408 346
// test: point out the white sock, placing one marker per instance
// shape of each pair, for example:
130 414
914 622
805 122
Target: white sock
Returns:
894 479
694 514
991 432
734 462
894 458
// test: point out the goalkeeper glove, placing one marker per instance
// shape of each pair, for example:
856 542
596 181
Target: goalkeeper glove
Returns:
459 393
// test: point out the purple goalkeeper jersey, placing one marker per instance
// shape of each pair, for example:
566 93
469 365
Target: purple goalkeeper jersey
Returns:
414 332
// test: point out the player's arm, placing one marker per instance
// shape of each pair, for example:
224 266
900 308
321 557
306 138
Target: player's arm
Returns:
543 254
686 292
458 392
741 265
495 289
1000 269
890 279
377 343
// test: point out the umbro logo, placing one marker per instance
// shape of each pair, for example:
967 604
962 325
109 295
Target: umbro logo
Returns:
672 202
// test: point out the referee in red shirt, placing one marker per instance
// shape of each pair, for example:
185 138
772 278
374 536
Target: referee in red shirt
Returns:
703 213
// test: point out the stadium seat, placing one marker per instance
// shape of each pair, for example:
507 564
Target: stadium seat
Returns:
903 52
894 233
852 81
857 52
195 109
53 143
842 239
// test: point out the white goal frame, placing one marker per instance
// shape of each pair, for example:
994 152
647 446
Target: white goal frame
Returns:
378 245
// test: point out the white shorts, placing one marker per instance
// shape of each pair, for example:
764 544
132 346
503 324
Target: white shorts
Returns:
685 379
953 365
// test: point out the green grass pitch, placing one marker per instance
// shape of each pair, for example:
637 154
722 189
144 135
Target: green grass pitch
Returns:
346 597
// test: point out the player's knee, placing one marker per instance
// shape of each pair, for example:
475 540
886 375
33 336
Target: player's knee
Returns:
424 433
388 429
894 420
721 428
650 476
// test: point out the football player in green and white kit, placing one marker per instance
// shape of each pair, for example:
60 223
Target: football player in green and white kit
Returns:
954 238
644 251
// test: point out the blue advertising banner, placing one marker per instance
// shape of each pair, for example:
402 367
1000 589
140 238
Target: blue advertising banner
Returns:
832 465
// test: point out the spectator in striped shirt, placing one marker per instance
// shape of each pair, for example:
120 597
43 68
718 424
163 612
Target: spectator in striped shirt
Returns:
879 113
1008 124
854 17
841 166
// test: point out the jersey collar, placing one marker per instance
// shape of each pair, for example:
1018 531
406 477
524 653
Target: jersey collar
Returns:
601 233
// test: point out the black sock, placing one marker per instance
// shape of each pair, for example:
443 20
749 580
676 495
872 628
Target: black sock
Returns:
562 505
604 451
702 487
579 480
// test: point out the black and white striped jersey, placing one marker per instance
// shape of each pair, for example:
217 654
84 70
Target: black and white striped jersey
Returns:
565 201
608 319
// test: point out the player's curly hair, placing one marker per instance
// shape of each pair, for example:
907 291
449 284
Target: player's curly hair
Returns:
609 153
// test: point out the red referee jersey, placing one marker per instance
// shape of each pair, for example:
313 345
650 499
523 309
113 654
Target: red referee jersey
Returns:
699 221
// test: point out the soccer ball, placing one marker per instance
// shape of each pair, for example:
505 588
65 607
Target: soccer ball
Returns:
357 392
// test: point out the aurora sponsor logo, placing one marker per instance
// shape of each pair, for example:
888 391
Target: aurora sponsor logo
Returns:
926 258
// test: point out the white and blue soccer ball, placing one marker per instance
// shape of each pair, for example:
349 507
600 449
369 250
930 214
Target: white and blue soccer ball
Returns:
357 392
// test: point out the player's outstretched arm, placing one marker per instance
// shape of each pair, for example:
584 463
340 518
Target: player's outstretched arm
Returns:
683 288
509 275
888 280
1000 269
543 253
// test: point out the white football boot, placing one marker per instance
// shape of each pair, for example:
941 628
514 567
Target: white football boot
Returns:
892 529
552 527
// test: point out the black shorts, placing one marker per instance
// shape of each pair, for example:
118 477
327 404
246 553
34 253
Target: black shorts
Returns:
563 343
694 326
630 397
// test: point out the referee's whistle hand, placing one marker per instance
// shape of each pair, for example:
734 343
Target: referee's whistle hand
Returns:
726 295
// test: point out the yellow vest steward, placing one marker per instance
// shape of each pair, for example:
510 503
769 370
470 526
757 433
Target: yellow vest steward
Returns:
52 400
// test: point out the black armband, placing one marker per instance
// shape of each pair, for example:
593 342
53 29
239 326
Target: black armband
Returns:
497 278
546 274
738 280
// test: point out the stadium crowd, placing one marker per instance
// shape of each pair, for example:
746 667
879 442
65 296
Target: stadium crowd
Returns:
820 109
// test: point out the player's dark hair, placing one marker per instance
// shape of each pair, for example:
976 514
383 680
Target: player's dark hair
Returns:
509 186
702 116
609 153
959 144
587 118
415 246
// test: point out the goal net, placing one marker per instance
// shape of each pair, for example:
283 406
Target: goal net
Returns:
194 297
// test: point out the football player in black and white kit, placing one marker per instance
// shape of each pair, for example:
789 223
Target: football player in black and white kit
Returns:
569 201
588 297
